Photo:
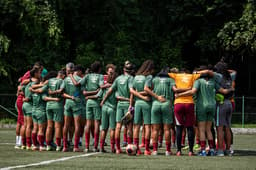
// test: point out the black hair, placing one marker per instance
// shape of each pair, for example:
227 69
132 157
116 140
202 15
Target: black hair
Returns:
79 67
95 67
50 75
164 72
112 77
34 71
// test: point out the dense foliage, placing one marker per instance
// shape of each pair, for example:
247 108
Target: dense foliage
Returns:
174 33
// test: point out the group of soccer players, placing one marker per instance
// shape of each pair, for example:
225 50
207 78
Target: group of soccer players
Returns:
75 102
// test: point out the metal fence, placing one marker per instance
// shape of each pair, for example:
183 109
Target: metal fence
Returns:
245 109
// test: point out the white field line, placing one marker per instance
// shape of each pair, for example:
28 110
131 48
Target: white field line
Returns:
49 161
7 144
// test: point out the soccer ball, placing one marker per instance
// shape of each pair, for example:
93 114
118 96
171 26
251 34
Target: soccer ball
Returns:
131 149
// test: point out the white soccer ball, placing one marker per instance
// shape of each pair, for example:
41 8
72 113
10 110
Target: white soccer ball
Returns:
131 149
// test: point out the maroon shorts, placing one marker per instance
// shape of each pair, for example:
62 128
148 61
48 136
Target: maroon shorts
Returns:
184 114
19 103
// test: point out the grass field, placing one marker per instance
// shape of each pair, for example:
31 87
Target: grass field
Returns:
244 158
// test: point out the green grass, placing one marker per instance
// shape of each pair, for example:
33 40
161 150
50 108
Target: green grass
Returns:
243 158
245 125
7 121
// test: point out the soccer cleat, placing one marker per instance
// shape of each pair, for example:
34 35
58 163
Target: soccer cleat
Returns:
103 151
77 150
138 152
118 151
154 153
142 145
191 154
185 147
147 152
28 148
42 148
167 153
211 152
49 148
86 150
35 148
113 150
220 153
17 147
58 148
178 153
173 146
196 147
95 150
23 147
202 153
65 149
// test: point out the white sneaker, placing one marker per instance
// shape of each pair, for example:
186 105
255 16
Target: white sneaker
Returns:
42 148
86 150
48 148
58 148
167 153
154 153
231 150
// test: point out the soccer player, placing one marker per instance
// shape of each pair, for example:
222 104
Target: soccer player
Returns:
142 112
27 107
122 85
39 117
224 110
184 107
205 105
108 115
161 108
92 83
72 108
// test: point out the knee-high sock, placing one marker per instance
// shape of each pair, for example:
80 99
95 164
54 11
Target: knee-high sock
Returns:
179 136
191 137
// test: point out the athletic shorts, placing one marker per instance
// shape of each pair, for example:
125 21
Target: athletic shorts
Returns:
142 113
55 114
184 114
72 108
204 114
161 113
39 117
93 113
224 114
19 103
122 108
27 109
108 118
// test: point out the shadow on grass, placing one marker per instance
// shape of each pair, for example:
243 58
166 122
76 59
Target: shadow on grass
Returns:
245 153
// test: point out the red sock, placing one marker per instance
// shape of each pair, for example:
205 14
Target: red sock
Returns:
136 142
125 137
41 140
34 139
58 141
198 141
23 141
112 143
102 141
87 139
76 142
118 143
202 144
28 140
147 142
96 140
168 146
160 139
211 144
130 140
48 142
65 142
155 146
143 140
